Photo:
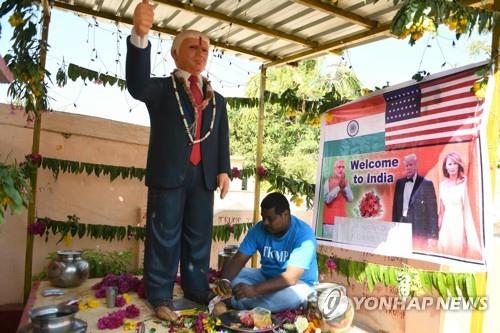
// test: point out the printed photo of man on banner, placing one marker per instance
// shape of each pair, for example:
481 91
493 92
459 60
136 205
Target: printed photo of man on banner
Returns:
400 171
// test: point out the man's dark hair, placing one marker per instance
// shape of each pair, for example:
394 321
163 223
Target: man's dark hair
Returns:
277 201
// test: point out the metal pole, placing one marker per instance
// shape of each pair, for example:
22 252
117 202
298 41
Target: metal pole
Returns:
35 148
258 158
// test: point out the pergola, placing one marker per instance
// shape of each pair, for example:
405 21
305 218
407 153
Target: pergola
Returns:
274 32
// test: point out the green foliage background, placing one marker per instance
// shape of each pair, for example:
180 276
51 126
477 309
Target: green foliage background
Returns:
291 133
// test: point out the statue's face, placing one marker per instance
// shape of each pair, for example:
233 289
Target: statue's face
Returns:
192 55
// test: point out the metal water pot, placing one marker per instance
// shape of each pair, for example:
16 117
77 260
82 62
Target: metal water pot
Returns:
226 254
68 269
54 319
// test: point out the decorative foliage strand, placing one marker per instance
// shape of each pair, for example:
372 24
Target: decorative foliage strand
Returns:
293 185
75 72
410 281
73 227
56 165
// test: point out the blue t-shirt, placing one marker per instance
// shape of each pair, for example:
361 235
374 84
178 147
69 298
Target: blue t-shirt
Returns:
297 248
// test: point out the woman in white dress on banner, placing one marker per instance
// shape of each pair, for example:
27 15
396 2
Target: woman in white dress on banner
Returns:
457 233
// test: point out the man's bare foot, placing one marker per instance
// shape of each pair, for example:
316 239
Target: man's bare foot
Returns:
165 313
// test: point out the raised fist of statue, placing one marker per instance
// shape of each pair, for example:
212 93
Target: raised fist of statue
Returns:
143 18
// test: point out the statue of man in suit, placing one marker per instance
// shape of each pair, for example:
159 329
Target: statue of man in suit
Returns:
415 202
188 158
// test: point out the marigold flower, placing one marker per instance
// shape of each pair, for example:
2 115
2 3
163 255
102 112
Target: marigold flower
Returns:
298 201
93 303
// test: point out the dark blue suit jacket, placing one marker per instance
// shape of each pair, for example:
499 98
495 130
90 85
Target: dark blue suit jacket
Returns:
169 146
422 208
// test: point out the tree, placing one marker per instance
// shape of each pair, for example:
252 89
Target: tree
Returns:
295 98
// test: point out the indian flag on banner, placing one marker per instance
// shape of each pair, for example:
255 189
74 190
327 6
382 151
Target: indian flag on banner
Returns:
355 128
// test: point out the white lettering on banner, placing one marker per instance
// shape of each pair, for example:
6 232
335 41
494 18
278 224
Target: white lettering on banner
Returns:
280 256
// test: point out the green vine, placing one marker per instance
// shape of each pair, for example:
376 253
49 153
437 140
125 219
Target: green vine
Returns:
72 227
293 185
75 72
57 165
28 88
310 110
408 280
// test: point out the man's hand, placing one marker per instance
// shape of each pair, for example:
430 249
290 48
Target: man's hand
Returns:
244 290
143 18
222 287
223 184
342 183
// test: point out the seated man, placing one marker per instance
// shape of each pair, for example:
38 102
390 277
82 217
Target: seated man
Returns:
289 269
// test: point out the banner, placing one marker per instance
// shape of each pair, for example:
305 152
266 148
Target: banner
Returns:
401 172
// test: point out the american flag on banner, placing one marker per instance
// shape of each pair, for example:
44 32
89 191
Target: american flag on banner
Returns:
433 112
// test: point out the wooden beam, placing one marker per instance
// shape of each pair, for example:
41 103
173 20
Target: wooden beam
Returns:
172 32
337 44
219 16
342 13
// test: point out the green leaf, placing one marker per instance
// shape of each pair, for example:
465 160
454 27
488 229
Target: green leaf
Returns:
369 277
470 283
441 284
426 280
450 281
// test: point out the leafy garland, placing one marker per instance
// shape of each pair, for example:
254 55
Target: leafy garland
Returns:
292 185
72 227
28 88
416 17
410 281
289 100
56 165
74 72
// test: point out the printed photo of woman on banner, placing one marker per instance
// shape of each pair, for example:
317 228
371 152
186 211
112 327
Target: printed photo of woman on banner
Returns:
400 172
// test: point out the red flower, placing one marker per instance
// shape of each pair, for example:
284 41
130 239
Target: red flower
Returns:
330 264
261 171
235 172
35 159
370 205
38 227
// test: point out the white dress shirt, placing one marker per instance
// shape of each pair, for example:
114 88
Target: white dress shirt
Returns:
407 194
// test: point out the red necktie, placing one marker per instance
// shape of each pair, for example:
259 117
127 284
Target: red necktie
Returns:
198 98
